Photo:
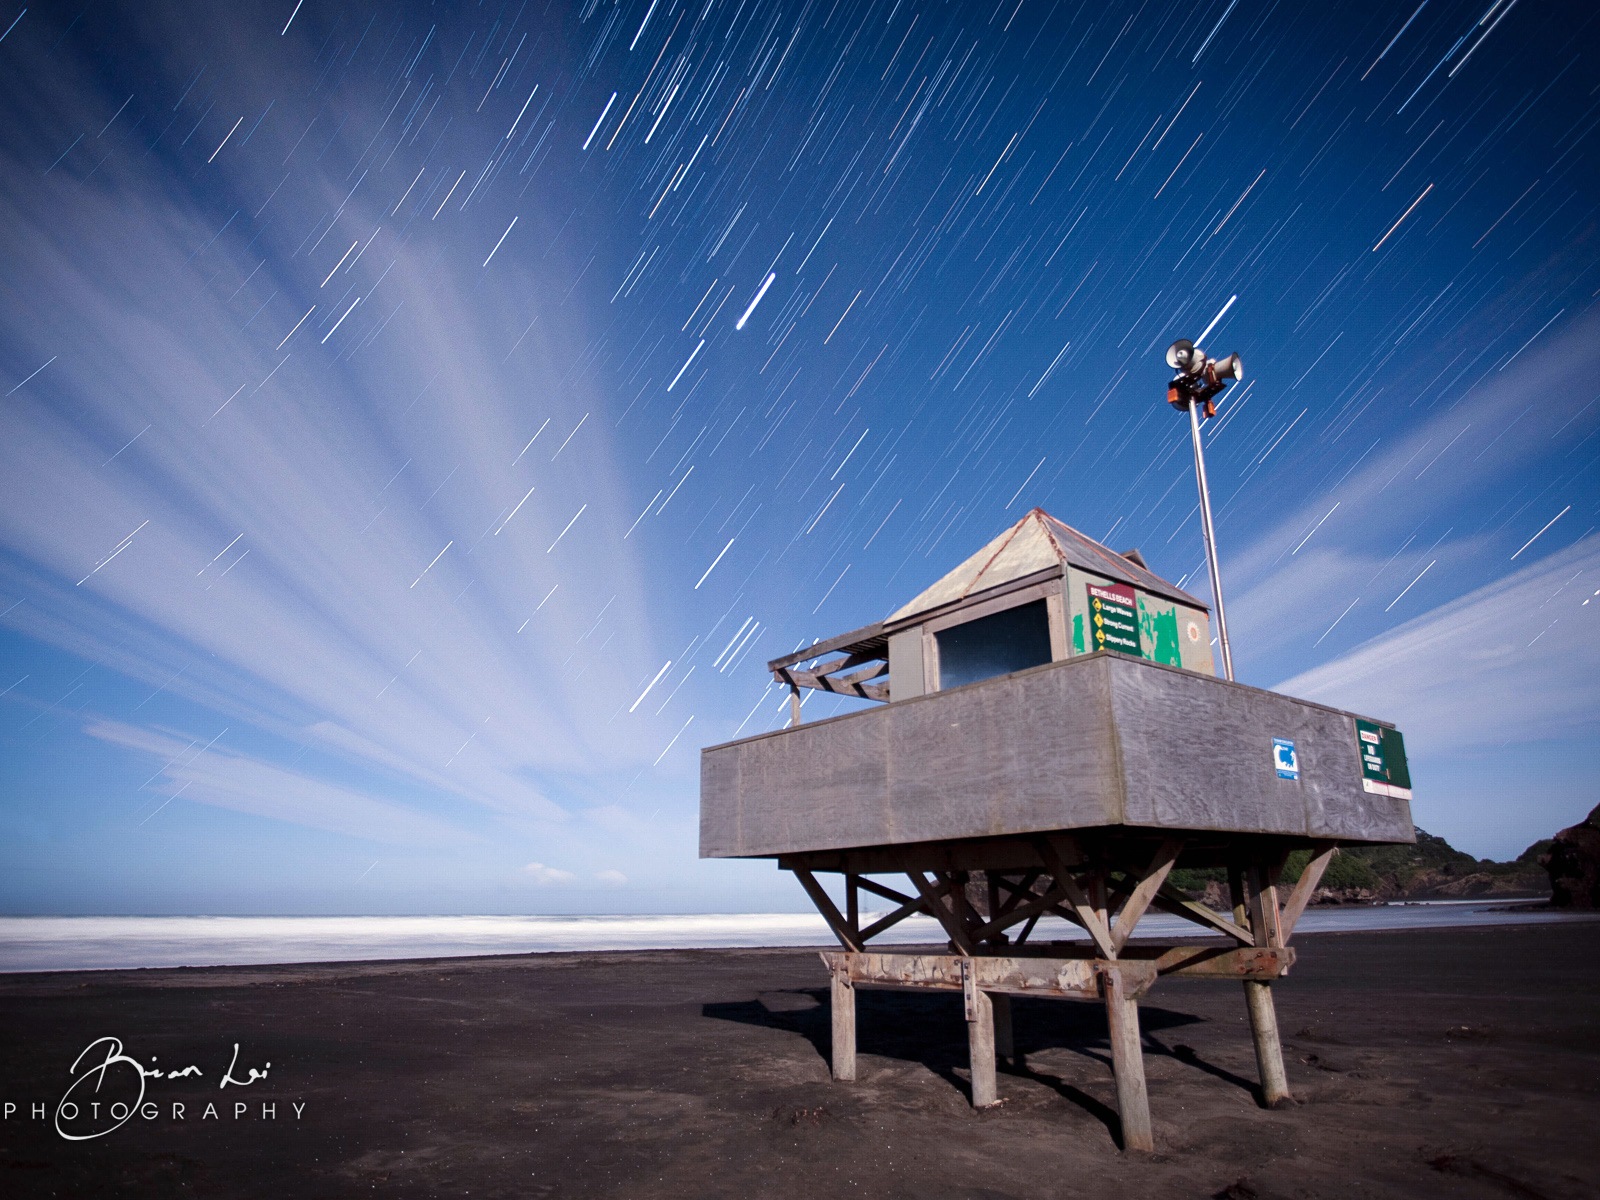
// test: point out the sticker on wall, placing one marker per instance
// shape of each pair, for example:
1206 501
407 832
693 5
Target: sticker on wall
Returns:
1285 759
1193 630
1384 770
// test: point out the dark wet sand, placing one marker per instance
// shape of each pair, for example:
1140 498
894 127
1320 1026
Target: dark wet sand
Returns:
1460 1063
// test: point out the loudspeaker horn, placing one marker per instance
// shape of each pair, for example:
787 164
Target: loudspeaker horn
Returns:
1181 356
1231 367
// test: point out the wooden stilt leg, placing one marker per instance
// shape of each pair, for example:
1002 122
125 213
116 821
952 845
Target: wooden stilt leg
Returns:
980 1039
1260 896
1127 1061
844 1027
1004 1046
1269 1053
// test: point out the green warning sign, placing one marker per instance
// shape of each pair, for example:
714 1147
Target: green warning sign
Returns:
1383 760
1114 619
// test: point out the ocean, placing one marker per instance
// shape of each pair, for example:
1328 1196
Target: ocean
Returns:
104 943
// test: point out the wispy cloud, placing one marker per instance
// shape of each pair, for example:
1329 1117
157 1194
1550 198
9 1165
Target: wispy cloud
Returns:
288 492
226 778
1516 661
1293 579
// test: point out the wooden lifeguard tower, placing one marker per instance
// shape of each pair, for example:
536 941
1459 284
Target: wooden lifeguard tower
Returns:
1052 743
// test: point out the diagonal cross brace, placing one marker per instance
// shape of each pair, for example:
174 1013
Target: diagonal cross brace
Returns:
1091 920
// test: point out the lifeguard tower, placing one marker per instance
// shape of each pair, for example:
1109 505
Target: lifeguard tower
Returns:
1052 742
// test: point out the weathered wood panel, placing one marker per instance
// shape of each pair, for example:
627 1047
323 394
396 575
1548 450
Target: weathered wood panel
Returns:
1200 757
1246 962
1069 978
1017 755
1096 741
905 665
1197 753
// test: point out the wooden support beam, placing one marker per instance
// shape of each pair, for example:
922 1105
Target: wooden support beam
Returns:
876 671
834 666
1093 922
1241 910
908 909
1214 962
1071 916
1018 890
877 889
844 1025
830 913
866 634
1006 854
1304 887
933 898
1034 908
1061 978
980 1038
827 678
1059 971
1170 899
1149 884
1261 903
852 904
1099 895
839 687
1127 1062
794 705
1053 901
1269 1051
962 907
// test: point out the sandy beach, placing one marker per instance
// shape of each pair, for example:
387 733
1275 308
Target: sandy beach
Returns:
1461 1062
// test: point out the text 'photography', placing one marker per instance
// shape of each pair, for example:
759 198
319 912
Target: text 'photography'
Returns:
697 598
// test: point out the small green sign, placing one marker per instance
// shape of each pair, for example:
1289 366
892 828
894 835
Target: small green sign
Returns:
1383 760
1114 619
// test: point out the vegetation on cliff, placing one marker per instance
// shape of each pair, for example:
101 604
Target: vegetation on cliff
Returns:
1432 869
1572 859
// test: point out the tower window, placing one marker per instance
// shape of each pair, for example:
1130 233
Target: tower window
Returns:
1010 640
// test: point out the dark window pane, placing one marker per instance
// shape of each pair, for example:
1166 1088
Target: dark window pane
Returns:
1007 641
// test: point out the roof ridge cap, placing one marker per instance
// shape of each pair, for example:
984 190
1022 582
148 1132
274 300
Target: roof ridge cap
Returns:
1009 535
1055 543
1111 557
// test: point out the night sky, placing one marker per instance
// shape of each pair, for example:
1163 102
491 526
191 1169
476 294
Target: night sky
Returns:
419 423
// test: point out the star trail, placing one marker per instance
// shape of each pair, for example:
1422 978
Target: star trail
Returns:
455 367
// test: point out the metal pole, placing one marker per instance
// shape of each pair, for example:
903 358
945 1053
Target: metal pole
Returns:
1211 539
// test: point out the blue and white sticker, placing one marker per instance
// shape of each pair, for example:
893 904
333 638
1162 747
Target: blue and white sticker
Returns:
1285 759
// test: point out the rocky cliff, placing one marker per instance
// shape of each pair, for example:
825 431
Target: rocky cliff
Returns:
1572 861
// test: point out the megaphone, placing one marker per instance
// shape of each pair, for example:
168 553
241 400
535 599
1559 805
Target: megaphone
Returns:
1225 369
1182 356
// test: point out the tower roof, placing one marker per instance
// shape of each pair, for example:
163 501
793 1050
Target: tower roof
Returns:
1037 543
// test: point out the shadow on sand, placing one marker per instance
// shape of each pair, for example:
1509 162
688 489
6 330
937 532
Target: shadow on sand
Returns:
929 1029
